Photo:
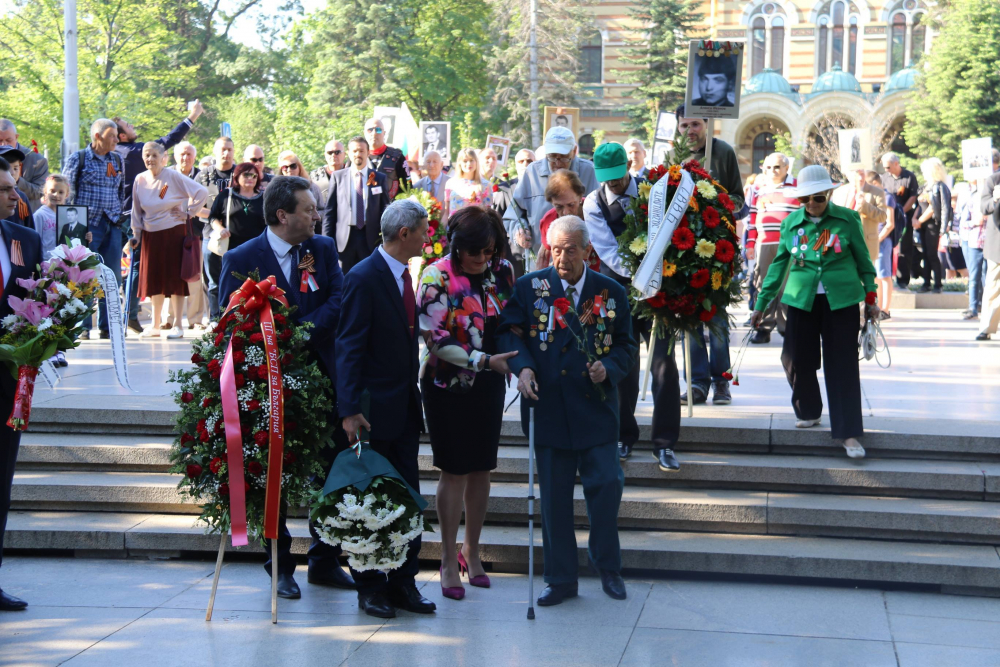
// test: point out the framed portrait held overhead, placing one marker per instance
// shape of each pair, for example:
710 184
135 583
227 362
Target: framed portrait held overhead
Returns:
714 72
71 223
666 126
435 135
567 117
977 159
855 149
388 117
500 146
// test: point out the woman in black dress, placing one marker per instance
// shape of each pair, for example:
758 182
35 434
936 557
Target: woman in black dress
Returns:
239 213
463 385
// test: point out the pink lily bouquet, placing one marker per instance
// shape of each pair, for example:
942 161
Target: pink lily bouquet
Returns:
48 320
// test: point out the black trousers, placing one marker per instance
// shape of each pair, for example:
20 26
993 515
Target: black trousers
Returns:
666 395
905 261
930 234
800 355
402 453
356 249
628 388
10 441
321 555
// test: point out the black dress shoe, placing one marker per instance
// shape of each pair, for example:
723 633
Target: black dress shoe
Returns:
333 576
375 604
624 451
287 588
983 336
409 598
11 603
760 337
613 584
555 593
700 396
135 326
668 462
104 335
924 290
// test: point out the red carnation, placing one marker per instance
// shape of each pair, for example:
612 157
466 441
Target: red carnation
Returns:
251 372
240 380
684 221
496 188
707 315
711 217
700 278
257 338
285 335
262 371
201 425
726 202
215 465
658 300
289 458
280 319
218 427
216 374
187 397
186 437
727 376
247 326
683 238
253 405
286 359
193 470
724 251
223 489
239 356
239 342
214 365
196 358
644 208
255 468
219 338
207 401
562 304
260 437
291 426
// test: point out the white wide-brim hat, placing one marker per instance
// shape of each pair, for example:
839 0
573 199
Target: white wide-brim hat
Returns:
813 180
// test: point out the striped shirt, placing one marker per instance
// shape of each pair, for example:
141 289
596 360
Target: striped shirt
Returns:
769 206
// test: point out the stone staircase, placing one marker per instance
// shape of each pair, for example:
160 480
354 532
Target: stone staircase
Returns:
754 496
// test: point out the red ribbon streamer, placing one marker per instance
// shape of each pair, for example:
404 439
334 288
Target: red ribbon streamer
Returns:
21 411
258 298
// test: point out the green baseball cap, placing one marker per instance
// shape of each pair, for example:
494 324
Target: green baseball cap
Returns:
610 162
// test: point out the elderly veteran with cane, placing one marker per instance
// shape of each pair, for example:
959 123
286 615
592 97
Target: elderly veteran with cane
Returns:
571 329
830 272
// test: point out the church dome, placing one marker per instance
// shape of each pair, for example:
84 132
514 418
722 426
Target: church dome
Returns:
768 81
836 80
904 79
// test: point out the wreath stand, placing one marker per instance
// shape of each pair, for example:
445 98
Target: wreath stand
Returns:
274 579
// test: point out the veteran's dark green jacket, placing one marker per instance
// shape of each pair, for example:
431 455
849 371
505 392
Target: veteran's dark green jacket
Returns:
847 275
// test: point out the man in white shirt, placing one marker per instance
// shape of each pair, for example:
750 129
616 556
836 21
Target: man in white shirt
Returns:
636 158
434 181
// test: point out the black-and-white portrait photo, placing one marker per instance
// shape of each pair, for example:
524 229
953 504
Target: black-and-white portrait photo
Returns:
713 87
567 117
435 136
977 158
500 146
666 126
855 149
71 223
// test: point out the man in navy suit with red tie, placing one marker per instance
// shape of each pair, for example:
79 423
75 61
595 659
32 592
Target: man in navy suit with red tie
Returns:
20 254
291 252
377 354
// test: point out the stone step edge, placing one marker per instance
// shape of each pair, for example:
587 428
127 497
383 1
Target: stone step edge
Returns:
972 567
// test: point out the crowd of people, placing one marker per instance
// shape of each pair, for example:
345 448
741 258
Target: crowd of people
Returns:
524 249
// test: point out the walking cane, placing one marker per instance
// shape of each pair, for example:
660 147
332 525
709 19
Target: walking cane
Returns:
531 514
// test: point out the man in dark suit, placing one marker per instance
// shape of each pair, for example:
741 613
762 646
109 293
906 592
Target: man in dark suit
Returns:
576 427
989 194
354 206
20 253
287 244
377 355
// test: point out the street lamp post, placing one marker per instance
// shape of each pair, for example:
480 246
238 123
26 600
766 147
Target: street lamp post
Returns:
536 137
71 93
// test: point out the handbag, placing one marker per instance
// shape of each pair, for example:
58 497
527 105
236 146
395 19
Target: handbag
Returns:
217 244
191 255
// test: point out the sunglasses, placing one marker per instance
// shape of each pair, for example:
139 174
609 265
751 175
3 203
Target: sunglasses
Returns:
818 199
286 167
376 130
256 159
338 152
486 252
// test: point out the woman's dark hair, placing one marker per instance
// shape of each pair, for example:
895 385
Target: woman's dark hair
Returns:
472 229
242 168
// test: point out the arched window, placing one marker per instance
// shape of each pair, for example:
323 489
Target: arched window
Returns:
586 144
777 42
767 37
918 42
758 40
591 59
838 30
897 44
763 145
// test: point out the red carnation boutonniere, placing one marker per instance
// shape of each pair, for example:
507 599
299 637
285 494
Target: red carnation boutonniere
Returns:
496 188
562 305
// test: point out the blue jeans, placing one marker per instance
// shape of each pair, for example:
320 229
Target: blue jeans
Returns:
709 362
107 243
211 274
977 268
133 297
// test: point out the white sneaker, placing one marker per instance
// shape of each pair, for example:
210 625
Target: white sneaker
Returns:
175 332
150 332
854 448
807 423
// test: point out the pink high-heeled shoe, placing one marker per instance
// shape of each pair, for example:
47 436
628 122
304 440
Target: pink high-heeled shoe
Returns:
479 581
451 592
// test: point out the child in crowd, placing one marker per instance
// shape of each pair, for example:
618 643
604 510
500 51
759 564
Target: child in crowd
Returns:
53 195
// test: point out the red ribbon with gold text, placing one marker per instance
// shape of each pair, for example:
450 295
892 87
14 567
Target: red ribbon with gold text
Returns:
255 297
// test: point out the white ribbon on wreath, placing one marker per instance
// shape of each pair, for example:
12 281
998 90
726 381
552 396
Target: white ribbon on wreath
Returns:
663 220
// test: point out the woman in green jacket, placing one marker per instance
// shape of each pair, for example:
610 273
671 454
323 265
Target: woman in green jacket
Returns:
830 271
